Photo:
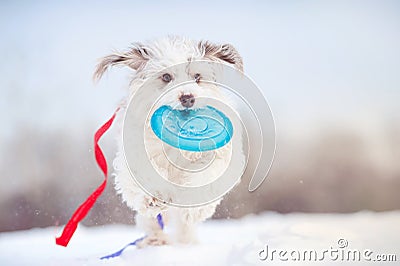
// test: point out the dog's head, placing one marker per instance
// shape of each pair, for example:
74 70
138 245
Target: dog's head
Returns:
160 56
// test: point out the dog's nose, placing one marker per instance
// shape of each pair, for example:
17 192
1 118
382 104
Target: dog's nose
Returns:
187 100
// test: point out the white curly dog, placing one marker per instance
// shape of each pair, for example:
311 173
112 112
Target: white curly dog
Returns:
147 59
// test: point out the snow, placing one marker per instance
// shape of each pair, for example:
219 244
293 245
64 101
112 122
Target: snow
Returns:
221 242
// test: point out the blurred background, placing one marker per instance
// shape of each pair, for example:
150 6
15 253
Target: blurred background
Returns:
330 71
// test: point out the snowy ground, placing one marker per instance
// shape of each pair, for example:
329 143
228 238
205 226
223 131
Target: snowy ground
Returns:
223 242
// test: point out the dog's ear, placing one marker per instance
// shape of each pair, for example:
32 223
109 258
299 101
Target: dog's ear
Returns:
136 57
225 52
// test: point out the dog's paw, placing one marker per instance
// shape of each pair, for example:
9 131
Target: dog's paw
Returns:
152 206
152 202
156 240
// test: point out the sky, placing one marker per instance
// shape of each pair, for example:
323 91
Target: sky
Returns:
319 63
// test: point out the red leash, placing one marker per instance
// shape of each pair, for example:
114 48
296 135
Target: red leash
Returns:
85 207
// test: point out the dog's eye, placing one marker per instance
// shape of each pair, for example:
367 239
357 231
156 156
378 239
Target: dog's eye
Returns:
197 77
166 77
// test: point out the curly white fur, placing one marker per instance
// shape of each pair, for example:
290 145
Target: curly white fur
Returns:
148 59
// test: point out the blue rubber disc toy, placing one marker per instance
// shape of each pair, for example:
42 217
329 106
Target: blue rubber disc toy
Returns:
196 130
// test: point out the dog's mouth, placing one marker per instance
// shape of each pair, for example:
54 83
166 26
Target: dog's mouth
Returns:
187 112
184 109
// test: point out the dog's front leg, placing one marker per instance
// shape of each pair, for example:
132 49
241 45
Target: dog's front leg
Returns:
146 220
189 218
